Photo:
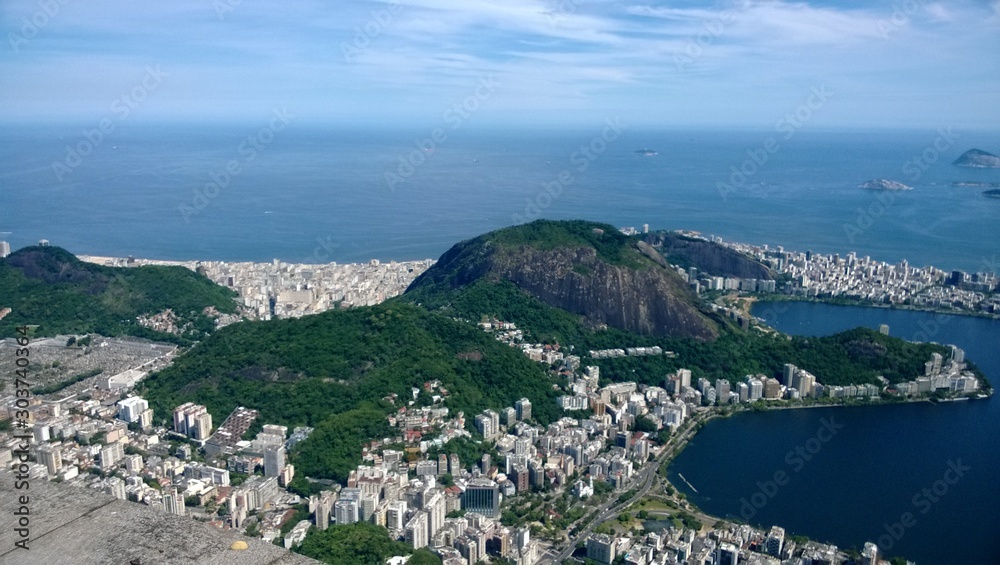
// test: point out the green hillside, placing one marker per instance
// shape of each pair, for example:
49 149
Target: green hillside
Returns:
52 289
307 370
852 357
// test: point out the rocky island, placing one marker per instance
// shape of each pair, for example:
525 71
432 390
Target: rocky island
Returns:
978 159
995 193
884 184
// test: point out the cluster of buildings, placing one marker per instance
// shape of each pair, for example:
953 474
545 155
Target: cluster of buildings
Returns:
700 281
410 499
629 351
728 545
283 290
949 376
865 279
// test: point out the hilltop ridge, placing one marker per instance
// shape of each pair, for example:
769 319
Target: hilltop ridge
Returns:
50 288
585 268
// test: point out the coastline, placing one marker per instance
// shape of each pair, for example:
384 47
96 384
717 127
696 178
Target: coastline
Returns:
778 297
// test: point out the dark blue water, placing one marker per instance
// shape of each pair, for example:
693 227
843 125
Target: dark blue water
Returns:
860 482
321 194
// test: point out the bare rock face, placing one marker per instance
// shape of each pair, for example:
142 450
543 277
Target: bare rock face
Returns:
707 256
637 291
651 300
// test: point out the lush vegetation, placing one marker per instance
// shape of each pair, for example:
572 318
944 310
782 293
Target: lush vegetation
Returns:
855 356
50 288
305 371
355 544
334 448
612 245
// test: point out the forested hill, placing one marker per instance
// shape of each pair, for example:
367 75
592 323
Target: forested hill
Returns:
306 371
51 288
586 268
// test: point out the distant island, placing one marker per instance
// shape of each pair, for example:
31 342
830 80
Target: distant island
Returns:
884 184
976 184
978 159
646 152
995 193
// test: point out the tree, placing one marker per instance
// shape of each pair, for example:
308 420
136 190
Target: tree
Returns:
365 543
424 556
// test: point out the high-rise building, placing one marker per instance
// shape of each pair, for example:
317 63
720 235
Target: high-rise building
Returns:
111 454
274 460
482 496
727 554
416 530
744 392
722 390
115 487
395 517
684 377
772 389
435 508
346 511
135 410
454 465
775 541
509 416
193 420
788 375
49 455
4 249
523 408
173 503
133 463
488 424
601 548
957 355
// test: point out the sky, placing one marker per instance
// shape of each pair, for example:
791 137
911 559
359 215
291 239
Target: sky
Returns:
519 63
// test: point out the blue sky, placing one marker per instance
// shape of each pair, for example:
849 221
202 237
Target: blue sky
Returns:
902 64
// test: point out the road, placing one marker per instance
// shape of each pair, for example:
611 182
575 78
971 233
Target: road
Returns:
646 477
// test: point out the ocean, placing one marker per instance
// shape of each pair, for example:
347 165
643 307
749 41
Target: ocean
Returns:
309 194
876 462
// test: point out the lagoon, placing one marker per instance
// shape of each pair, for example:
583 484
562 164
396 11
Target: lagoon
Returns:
919 479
